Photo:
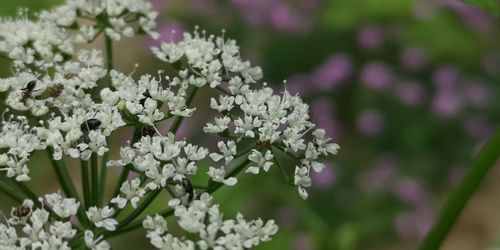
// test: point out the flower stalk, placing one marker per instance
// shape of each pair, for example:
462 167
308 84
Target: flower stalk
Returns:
458 199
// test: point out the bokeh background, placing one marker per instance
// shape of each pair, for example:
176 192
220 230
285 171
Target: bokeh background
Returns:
408 88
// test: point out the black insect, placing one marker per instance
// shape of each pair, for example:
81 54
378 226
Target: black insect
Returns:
148 131
146 96
186 184
28 91
90 124
21 211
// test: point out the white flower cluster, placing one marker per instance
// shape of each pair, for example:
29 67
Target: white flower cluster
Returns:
18 141
118 18
142 100
41 44
65 90
203 218
161 159
38 230
207 60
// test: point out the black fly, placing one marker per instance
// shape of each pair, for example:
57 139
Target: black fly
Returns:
28 91
186 184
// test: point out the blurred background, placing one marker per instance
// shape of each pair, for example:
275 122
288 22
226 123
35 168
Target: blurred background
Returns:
408 88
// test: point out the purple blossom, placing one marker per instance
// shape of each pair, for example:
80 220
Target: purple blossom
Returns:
169 32
287 217
370 122
475 93
446 103
323 116
410 92
283 18
159 5
490 63
414 224
326 179
471 16
334 71
302 242
381 175
446 77
410 192
413 58
370 37
376 76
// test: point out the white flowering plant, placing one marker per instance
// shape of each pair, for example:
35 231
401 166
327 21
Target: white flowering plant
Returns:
68 101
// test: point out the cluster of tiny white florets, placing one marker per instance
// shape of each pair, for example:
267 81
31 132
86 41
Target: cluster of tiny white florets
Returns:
67 101
37 229
203 218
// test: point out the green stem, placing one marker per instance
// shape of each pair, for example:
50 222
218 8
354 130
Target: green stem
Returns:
125 171
451 210
63 176
11 192
32 196
85 183
109 52
147 201
103 177
178 120
94 179
135 225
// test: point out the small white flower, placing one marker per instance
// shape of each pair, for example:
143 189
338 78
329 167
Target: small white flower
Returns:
132 192
95 244
63 207
260 160
101 217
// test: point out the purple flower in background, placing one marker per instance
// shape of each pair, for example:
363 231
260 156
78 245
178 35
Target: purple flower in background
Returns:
446 77
413 58
376 76
446 103
300 83
286 217
490 63
326 179
283 18
169 31
159 5
409 191
380 175
302 242
414 224
475 93
424 9
334 71
477 127
322 114
471 16
410 92
370 37
370 122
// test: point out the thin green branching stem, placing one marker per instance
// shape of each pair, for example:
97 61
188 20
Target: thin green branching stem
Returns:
27 191
452 208
11 192
63 176
136 212
109 52
125 170
103 177
94 178
85 183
